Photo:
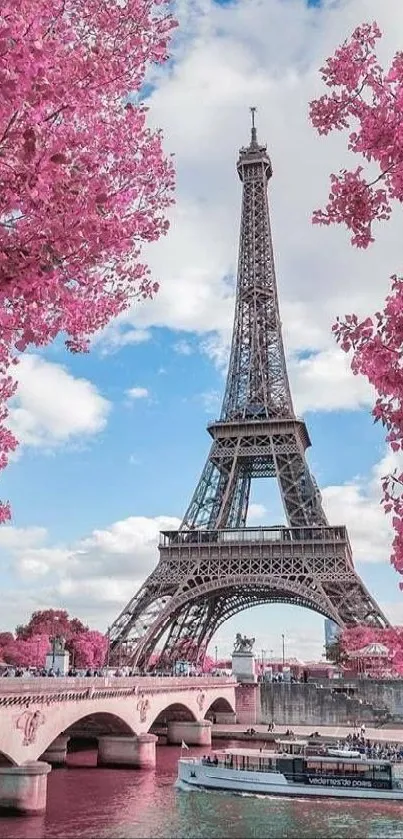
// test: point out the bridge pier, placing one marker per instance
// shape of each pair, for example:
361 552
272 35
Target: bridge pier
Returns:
23 788
56 753
247 702
195 733
138 752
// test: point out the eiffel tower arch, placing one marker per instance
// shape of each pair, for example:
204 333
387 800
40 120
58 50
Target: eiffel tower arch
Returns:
214 566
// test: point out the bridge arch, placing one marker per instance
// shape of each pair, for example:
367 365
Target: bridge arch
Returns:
74 720
177 711
98 723
219 706
6 760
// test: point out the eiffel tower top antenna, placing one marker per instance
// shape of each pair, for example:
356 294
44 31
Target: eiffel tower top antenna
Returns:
253 110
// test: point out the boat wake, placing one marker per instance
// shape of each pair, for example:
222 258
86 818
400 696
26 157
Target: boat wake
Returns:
182 786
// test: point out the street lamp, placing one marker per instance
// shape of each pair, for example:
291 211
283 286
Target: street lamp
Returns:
216 654
283 649
108 652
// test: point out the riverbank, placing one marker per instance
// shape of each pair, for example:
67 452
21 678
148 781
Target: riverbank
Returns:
326 733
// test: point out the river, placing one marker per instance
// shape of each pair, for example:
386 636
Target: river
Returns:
85 802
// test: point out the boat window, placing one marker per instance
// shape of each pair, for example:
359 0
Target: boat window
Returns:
381 773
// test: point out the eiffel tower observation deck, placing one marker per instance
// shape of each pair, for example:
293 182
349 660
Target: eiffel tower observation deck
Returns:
214 566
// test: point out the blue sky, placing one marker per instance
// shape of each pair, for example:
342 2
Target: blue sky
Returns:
114 441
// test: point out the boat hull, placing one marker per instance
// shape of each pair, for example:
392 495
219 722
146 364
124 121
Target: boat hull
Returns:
194 775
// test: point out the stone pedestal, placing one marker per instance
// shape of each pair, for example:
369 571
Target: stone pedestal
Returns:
243 666
58 661
138 752
196 733
23 788
56 753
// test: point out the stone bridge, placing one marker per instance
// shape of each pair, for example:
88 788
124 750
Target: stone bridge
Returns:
38 717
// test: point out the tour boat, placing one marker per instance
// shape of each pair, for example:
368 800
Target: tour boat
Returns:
293 771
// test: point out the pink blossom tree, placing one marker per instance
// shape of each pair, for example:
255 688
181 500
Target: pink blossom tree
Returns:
89 649
51 622
368 101
29 652
83 181
208 664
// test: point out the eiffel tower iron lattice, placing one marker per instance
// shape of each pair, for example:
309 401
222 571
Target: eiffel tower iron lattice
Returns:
215 566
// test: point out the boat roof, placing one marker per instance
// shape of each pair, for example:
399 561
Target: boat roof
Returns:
311 758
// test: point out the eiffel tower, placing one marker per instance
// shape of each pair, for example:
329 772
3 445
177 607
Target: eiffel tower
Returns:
214 566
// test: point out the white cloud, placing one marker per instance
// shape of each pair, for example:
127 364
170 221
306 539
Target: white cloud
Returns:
211 401
20 538
325 382
256 513
357 505
52 407
183 348
137 393
128 548
37 562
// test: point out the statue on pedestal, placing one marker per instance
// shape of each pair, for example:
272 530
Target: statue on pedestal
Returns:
59 644
243 644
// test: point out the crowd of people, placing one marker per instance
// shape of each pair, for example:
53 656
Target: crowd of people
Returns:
375 750
36 672
74 673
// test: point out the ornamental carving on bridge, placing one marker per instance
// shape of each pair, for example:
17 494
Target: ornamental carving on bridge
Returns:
28 722
200 699
143 706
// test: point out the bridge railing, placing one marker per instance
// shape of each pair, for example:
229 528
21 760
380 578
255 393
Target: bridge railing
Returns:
171 538
47 684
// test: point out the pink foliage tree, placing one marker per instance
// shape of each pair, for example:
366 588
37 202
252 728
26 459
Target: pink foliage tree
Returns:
30 652
83 181
89 649
51 622
208 664
367 100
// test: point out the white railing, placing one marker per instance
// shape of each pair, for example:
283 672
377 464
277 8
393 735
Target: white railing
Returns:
47 684
171 538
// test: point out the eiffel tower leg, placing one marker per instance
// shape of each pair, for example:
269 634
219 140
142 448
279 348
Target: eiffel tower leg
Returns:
140 613
301 497
239 508
200 511
185 637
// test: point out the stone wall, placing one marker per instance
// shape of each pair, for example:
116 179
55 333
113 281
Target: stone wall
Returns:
309 704
386 693
247 703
